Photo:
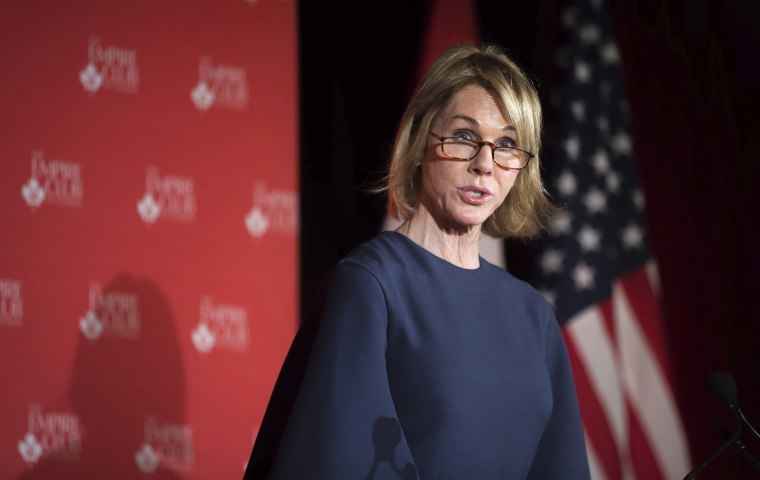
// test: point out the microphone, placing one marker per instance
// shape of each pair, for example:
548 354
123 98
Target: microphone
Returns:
724 387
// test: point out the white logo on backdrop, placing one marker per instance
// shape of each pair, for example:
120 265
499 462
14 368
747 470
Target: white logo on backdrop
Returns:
33 193
256 222
109 67
91 326
273 210
222 86
168 444
167 197
221 326
55 434
11 302
53 181
146 458
30 448
114 314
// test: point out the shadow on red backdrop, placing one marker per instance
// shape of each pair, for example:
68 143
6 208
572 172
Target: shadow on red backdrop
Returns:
125 393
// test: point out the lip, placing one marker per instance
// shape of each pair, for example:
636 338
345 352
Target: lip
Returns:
474 195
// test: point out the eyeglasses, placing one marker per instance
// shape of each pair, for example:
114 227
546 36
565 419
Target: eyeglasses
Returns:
507 158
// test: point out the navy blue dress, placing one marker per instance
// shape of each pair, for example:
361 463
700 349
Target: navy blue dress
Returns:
418 368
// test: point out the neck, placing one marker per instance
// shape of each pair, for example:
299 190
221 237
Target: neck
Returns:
457 246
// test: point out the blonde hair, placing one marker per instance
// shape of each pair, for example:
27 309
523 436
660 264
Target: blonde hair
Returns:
526 209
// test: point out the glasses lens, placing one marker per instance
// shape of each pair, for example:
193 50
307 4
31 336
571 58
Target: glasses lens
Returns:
510 158
466 150
459 148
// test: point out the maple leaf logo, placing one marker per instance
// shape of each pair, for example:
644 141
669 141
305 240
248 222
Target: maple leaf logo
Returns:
29 448
90 79
202 96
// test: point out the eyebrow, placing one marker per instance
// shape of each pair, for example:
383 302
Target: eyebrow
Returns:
474 122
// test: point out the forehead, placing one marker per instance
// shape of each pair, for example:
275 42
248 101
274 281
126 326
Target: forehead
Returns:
474 103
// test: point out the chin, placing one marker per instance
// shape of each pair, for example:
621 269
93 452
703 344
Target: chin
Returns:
476 219
468 222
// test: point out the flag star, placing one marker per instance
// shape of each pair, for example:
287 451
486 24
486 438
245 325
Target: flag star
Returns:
583 276
589 33
625 108
582 72
601 162
610 53
638 199
561 223
633 236
596 201
589 239
566 184
579 110
621 144
569 18
551 261
603 124
613 182
572 147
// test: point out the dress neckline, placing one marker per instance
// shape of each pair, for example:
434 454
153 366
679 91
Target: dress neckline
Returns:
424 251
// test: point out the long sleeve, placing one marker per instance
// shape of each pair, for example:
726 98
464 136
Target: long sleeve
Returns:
561 452
343 423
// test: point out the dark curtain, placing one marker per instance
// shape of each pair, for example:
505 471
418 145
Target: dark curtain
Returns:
693 82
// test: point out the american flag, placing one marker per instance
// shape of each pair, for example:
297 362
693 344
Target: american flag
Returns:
597 268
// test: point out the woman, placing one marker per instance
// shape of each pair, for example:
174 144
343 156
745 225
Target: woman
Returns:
427 361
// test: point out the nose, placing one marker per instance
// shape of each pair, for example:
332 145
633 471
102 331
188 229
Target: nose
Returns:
482 164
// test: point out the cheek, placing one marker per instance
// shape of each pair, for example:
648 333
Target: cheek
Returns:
506 185
437 178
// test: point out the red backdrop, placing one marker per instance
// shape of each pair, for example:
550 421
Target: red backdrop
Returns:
149 218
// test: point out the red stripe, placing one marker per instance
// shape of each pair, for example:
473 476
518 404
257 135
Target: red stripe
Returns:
605 310
644 463
646 308
594 422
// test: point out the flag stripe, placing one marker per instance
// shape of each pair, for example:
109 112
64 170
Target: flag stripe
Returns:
646 309
594 461
596 384
649 391
597 354
642 460
598 433
653 275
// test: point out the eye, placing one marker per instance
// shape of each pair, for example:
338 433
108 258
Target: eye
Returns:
464 135
506 142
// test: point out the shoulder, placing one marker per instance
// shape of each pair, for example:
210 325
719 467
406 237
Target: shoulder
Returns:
361 276
383 255
370 265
